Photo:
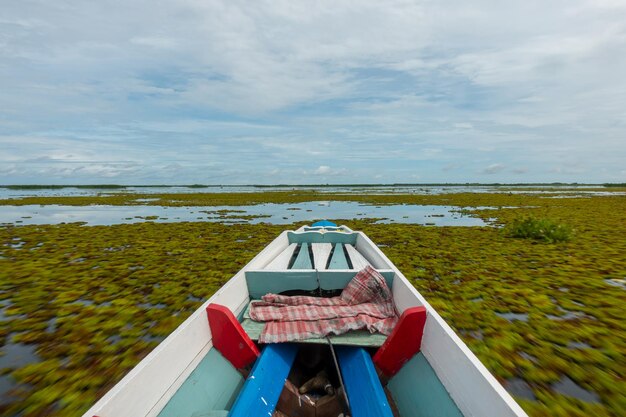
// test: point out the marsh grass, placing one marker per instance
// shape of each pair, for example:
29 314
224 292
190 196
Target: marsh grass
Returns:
545 230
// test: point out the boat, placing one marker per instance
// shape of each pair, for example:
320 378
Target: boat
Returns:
213 365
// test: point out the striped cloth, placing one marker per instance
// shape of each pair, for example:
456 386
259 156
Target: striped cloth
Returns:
365 303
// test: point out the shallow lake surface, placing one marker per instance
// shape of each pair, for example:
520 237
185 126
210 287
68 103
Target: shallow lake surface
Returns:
13 356
567 191
268 213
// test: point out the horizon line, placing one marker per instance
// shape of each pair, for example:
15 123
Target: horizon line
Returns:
114 186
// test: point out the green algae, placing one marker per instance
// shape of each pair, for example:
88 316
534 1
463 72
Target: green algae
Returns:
95 300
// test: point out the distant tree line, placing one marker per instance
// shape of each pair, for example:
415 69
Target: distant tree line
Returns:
432 184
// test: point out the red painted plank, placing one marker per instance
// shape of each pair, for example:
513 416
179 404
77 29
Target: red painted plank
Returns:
403 343
230 338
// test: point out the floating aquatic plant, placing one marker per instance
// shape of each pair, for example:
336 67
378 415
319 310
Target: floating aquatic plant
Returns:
545 230
92 301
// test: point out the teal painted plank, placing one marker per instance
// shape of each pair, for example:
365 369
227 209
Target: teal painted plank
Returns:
263 282
211 387
303 261
260 393
338 261
327 237
318 228
365 392
418 392
335 279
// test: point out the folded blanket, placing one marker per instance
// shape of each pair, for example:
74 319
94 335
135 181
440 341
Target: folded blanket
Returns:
365 303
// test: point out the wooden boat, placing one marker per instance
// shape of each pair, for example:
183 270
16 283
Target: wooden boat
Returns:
422 369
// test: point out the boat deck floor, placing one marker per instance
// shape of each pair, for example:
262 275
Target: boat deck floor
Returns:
353 338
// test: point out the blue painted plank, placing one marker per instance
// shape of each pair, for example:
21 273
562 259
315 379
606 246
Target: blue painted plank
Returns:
260 393
303 261
211 387
417 391
338 261
365 393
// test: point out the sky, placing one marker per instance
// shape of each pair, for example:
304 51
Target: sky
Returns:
302 92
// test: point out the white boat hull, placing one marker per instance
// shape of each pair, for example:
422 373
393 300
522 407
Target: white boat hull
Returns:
147 389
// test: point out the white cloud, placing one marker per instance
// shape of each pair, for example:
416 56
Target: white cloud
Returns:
231 90
323 170
154 41
493 169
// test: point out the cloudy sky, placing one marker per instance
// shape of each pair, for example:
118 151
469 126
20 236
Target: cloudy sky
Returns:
251 92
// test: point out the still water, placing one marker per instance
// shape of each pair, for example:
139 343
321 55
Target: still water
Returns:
569 190
285 213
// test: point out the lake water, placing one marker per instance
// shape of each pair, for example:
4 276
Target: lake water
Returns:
430 215
6 193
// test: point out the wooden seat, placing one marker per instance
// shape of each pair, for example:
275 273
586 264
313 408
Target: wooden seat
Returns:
261 282
259 394
358 261
338 259
283 258
352 338
324 256
321 252
303 260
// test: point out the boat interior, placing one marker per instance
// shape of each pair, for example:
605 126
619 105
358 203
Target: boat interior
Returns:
331 376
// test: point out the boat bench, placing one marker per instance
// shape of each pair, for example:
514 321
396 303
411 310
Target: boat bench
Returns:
261 391
321 251
263 281
352 338
262 388
365 392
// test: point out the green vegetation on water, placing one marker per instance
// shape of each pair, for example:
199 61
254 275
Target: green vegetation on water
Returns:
93 301
465 199
545 230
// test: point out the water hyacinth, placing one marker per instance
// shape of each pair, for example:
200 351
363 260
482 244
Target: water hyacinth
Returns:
539 229
85 304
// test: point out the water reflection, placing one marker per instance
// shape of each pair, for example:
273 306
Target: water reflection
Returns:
568 387
519 388
430 215
514 316
13 356
566 190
